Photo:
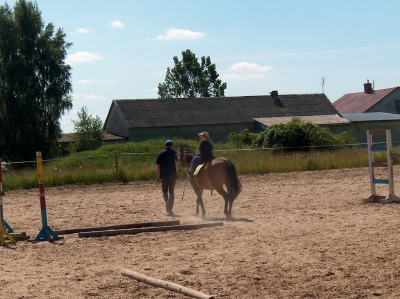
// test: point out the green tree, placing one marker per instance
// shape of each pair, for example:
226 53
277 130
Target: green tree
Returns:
191 79
35 82
88 132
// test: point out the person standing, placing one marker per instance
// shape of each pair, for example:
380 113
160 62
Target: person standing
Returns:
205 152
166 174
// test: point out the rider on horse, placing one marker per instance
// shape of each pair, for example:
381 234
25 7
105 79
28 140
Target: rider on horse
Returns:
205 152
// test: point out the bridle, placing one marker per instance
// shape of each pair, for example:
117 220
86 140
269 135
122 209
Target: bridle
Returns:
185 155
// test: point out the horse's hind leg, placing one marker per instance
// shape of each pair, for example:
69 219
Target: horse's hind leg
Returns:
228 203
230 199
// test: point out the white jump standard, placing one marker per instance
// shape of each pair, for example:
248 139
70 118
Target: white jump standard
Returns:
373 197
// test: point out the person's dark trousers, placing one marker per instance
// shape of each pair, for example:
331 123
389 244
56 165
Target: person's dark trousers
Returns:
168 189
196 161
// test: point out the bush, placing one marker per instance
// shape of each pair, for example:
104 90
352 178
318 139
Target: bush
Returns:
242 138
300 135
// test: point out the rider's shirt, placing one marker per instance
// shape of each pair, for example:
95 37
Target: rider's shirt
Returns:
206 149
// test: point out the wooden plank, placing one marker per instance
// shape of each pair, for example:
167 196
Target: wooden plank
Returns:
380 181
133 231
377 132
379 148
113 227
20 237
165 285
379 164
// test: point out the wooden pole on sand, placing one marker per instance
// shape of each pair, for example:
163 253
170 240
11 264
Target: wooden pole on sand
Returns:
165 285
139 230
121 226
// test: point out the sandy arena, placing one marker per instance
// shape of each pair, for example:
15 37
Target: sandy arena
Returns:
295 235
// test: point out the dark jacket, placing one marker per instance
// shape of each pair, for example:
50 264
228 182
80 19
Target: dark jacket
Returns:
166 159
206 150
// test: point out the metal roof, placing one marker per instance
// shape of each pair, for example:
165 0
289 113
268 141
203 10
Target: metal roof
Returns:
66 138
315 119
360 102
142 113
371 116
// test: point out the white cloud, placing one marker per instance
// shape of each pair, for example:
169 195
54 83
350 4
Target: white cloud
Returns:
252 67
174 33
82 30
245 71
84 81
116 24
83 57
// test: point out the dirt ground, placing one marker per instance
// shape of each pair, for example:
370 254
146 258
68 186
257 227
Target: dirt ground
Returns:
294 235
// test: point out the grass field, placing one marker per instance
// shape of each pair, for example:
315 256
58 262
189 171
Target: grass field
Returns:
136 162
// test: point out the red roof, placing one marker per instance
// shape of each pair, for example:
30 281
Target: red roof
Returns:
361 102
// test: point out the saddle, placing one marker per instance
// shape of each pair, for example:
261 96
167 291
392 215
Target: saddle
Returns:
200 167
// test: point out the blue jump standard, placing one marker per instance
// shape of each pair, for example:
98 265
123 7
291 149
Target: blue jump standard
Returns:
7 227
46 233
5 224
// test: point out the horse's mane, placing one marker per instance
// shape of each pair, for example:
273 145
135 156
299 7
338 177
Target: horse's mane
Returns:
187 154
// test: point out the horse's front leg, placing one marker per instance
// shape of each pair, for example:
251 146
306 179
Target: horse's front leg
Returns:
199 203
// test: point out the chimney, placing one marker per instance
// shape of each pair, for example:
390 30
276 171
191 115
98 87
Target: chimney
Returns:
275 97
367 87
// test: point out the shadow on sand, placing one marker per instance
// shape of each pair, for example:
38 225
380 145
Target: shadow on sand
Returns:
232 219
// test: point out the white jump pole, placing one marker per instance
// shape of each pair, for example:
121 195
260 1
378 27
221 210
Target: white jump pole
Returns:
373 197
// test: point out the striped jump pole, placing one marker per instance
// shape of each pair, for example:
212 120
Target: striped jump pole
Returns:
373 197
46 233
4 236
5 224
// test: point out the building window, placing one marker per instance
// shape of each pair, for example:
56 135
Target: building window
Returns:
397 104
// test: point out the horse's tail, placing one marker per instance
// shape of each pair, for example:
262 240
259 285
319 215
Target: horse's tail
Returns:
233 179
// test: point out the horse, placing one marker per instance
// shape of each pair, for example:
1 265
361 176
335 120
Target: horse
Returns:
213 176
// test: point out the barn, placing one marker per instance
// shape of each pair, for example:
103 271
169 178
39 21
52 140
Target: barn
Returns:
143 119
372 109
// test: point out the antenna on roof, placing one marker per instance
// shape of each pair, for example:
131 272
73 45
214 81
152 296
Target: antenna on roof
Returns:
323 84
373 84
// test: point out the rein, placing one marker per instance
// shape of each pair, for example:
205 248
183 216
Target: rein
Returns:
187 155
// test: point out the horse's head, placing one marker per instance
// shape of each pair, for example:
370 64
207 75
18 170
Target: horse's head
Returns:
185 157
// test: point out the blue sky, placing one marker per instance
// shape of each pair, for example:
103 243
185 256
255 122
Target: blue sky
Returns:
121 49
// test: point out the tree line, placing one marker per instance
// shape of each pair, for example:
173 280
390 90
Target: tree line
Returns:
35 82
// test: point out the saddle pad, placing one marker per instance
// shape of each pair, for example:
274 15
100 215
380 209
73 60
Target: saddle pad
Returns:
198 169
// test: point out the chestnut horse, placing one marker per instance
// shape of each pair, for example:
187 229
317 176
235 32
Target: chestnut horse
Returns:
213 176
